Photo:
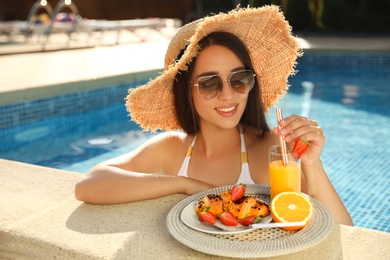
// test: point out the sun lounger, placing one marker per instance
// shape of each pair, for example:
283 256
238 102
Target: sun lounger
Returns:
43 31
28 27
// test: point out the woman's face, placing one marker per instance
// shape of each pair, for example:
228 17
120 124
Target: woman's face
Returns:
226 109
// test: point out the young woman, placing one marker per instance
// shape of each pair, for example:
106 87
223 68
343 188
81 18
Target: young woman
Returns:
222 74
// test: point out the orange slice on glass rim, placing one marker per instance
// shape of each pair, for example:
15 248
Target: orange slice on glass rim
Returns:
290 207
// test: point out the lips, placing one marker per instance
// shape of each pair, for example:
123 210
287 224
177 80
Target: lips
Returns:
227 110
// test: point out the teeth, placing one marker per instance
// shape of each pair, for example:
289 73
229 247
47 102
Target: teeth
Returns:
226 109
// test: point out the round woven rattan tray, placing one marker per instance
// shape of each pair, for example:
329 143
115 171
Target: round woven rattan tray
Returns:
256 243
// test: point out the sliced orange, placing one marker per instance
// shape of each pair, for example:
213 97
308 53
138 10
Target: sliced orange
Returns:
290 207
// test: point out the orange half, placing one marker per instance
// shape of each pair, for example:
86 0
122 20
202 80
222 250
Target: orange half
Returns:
291 207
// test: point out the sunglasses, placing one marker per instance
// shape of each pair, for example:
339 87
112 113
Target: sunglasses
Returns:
210 86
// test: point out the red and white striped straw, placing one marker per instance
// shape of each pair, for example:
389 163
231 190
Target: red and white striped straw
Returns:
281 137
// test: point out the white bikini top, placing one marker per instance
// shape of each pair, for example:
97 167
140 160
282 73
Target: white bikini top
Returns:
245 175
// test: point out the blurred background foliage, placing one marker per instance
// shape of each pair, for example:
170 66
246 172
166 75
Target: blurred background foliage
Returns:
334 15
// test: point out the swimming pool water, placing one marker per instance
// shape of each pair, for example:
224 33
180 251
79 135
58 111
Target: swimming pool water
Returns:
348 94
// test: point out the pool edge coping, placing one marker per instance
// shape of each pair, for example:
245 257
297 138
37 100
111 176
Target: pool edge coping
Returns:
50 227
18 95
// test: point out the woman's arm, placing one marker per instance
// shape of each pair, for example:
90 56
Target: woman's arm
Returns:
320 187
107 184
318 184
144 173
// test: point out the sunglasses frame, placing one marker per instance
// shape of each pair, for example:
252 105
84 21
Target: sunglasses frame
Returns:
228 80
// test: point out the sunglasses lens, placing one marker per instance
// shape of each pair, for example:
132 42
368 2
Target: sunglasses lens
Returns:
242 81
209 86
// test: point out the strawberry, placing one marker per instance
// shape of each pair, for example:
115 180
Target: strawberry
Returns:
250 220
207 216
238 191
300 146
228 219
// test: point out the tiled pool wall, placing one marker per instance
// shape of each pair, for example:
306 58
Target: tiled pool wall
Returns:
345 59
354 65
355 69
24 121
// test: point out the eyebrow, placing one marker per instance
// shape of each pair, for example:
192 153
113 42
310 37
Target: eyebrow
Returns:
212 73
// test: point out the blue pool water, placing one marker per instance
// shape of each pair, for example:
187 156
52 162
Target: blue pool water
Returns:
348 94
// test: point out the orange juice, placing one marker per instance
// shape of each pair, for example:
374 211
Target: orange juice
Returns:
284 177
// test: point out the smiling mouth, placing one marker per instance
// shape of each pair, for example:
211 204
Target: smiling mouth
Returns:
227 109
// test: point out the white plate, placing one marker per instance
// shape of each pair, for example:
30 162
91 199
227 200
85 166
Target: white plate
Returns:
259 243
190 218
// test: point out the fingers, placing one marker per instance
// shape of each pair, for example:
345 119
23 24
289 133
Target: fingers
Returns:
295 126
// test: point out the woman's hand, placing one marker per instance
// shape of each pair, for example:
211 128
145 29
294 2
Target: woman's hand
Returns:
294 127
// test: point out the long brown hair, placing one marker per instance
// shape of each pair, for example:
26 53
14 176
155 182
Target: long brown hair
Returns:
253 115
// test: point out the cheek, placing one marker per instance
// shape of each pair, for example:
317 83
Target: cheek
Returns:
243 103
201 105
196 99
244 100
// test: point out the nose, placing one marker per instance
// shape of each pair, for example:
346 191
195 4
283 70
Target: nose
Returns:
227 92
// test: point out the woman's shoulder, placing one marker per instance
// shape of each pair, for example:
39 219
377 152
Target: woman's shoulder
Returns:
167 141
164 153
169 137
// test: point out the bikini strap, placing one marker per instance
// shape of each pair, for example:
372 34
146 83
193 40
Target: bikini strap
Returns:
189 149
244 154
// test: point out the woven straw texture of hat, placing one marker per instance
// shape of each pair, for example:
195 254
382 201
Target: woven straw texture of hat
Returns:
267 36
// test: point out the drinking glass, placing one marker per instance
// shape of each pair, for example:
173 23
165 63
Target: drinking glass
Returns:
283 177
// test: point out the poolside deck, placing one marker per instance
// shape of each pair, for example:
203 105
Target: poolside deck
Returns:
41 74
41 219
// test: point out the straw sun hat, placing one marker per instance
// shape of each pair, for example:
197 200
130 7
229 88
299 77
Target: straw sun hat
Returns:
265 33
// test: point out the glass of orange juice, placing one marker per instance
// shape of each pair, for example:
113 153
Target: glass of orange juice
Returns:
283 177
